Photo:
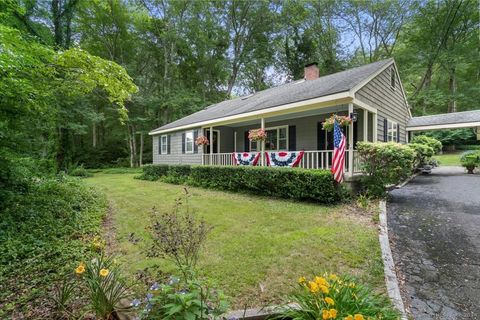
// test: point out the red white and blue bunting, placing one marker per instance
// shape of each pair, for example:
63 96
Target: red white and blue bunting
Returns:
284 158
245 158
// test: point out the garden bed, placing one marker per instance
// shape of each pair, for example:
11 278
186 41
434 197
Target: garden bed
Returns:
259 246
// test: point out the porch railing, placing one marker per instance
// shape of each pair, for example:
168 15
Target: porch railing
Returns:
316 159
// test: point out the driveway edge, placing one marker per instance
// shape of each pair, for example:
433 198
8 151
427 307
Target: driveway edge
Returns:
391 280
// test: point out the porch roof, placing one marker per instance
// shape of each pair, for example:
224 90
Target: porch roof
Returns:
465 119
293 92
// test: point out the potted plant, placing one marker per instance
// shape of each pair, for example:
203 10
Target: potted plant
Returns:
470 160
343 121
202 141
257 135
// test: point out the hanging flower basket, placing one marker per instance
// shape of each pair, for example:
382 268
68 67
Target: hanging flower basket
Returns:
202 141
257 135
343 121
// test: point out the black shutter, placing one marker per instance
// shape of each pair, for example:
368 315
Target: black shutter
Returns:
385 130
159 144
183 142
246 142
195 136
398 133
355 133
292 138
169 144
321 137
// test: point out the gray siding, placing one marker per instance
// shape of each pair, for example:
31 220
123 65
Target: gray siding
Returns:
388 101
176 156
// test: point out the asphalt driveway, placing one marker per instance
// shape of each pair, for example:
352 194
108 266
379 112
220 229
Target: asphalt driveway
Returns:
434 224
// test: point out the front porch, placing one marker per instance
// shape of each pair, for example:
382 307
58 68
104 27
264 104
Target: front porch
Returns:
301 131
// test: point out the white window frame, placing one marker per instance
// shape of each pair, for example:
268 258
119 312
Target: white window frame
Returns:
187 142
258 147
392 131
164 144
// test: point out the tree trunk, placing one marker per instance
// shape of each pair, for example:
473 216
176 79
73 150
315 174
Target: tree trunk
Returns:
57 22
130 145
452 86
94 135
134 146
141 149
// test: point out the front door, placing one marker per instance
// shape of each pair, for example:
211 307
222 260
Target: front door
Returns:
216 141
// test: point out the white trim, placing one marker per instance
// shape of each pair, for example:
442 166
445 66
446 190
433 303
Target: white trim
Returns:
365 125
329 100
375 127
444 126
394 124
161 144
363 105
278 136
350 142
218 139
193 142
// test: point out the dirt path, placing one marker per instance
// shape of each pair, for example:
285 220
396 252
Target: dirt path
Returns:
434 222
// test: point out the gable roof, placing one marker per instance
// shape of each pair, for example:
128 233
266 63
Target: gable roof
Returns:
454 120
295 91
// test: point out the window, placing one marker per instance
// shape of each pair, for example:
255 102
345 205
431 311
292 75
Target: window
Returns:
189 142
164 144
392 78
392 131
277 139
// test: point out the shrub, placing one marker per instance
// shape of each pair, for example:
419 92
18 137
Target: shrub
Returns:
470 160
178 236
180 300
42 230
428 141
332 297
384 164
423 153
289 183
80 171
177 174
153 172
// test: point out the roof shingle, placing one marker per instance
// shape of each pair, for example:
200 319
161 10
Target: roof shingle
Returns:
284 94
446 118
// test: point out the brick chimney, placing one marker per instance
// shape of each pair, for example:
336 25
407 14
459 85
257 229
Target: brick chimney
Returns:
311 71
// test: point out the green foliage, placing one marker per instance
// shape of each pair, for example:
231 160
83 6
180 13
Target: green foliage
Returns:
193 299
177 174
79 171
154 172
43 233
310 185
384 164
470 160
332 297
422 154
428 141
105 285
453 137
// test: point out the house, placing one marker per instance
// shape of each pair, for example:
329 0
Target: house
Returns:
292 115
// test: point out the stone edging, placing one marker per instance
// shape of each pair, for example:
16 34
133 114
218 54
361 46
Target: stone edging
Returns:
391 280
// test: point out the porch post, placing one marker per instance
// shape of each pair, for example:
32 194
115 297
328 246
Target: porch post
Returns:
375 128
210 139
350 143
365 125
262 156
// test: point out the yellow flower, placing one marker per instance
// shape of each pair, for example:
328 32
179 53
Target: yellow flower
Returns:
329 301
302 280
104 272
80 269
324 289
333 277
325 314
313 286
358 317
321 281
349 317
352 285
333 313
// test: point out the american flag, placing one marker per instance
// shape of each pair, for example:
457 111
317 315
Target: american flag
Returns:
339 143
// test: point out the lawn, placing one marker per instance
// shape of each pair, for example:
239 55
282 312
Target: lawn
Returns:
258 247
449 159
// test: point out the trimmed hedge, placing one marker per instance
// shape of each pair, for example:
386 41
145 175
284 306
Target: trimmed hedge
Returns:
288 183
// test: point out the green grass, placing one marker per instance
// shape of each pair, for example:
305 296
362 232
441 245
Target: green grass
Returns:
449 159
258 247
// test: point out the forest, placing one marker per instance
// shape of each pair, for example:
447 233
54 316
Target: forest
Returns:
83 82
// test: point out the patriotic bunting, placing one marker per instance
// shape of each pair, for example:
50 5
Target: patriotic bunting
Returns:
284 158
245 158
